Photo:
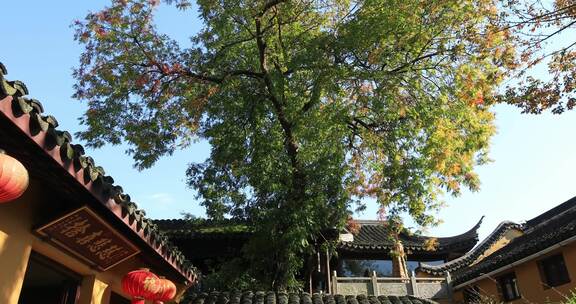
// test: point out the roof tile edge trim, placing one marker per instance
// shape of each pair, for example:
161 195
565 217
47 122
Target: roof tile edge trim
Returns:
473 254
26 114
560 228
283 297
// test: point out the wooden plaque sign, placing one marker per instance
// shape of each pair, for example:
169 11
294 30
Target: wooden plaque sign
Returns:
87 236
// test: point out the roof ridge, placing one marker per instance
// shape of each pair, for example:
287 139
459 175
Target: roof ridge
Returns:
473 254
550 214
534 240
94 177
368 222
411 233
374 238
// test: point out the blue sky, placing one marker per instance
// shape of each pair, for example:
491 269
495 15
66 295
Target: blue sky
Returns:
534 166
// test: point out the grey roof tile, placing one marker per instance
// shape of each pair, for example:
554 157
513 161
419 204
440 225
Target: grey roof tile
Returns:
270 297
550 228
471 255
373 236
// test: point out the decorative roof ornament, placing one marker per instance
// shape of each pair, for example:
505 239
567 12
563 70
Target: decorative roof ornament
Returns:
346 237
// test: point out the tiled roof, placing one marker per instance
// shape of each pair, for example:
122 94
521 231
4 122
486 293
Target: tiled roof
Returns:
205 242
473 254
296 298
550 228
207 229
27 115
373 236
183 229
546 217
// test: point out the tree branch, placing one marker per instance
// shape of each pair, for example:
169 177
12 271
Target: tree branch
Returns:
213 79
269 5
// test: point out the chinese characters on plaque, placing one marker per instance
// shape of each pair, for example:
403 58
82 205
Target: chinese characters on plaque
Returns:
84 234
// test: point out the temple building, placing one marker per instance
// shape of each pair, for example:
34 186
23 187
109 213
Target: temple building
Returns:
360 256
68 234
533 262
369 249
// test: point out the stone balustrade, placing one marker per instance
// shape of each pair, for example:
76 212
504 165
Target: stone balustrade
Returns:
427 288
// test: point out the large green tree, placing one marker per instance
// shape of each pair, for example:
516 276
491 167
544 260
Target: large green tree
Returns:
309 106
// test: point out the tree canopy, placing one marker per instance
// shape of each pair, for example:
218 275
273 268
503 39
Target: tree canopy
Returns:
309 107
544 34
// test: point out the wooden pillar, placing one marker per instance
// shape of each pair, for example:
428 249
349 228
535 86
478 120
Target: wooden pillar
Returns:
14 254
94 291
328 281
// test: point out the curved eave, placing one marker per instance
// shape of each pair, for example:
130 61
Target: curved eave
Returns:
473 254
471 234
442 250
433 245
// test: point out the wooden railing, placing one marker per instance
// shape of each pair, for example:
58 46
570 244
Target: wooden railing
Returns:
428 288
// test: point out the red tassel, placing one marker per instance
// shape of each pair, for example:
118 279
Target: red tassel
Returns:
137 301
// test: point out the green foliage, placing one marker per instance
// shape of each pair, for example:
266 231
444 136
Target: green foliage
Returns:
571 299
544 34
309 107
229 276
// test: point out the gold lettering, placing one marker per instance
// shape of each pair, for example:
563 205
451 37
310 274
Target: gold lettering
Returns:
108 252
89 238
99 244
151 285
76 229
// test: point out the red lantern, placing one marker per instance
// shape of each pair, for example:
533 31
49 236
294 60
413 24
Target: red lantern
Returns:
140 284
166 293
13 178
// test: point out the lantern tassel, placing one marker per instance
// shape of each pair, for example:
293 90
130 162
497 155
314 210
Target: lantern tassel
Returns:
138 300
